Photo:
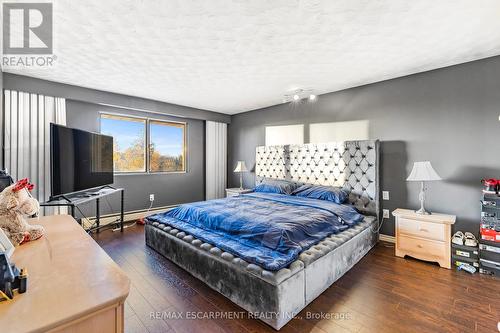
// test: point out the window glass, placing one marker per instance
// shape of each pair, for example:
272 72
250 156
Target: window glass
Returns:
166 141
167 146
129 142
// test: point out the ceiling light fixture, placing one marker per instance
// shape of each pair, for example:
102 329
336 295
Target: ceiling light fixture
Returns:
299 94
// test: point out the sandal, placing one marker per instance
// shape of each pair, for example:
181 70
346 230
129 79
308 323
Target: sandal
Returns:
470 239
458 238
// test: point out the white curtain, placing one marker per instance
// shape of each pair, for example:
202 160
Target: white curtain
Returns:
27 119
216 159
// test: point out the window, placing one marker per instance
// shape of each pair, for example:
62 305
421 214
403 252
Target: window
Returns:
166 141
129 142
166 153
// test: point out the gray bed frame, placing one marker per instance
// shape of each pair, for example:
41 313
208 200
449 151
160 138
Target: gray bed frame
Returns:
276 297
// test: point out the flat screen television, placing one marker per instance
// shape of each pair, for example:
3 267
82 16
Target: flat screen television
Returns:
80 160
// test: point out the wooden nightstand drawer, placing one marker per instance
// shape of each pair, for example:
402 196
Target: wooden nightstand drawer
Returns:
422 248
425 237
422 229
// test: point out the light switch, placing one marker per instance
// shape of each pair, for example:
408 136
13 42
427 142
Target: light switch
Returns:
385 195
385 214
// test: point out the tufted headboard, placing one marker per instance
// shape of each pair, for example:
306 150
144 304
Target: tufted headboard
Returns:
353 165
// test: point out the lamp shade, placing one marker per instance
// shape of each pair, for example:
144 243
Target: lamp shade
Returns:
241 167
423 172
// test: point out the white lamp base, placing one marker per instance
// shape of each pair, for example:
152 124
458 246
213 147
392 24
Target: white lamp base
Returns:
422 211
421 197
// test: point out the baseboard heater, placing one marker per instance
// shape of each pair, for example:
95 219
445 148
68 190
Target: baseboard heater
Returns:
128 216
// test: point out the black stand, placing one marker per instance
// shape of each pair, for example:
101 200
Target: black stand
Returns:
73 200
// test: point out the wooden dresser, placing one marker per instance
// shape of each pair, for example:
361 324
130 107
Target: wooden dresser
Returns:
425 237
73 285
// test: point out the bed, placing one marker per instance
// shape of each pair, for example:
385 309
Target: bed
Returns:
274 288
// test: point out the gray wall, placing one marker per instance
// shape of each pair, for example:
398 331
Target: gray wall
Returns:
32 85
169 189
448 116
83 112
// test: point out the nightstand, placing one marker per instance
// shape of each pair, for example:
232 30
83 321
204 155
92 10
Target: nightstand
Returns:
233 192
425 237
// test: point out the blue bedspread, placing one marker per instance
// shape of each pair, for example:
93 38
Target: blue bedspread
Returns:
267 229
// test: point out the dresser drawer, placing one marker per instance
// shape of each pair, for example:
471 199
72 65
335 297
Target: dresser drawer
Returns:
427 248
422 229
425 237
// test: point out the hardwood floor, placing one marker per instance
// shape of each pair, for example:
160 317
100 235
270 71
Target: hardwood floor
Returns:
381 293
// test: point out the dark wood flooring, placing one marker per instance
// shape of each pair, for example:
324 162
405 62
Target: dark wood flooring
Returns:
381 293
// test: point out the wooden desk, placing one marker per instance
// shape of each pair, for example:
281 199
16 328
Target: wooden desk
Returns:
73 285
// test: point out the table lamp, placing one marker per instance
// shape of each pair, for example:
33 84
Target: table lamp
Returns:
241 167
422 172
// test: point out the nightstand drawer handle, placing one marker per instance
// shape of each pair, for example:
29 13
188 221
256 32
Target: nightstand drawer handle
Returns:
423 229
419 246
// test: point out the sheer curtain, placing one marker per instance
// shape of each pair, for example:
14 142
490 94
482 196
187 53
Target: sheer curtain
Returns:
216 159
27 119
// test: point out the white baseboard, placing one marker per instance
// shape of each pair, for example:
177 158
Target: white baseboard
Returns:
387 238
127 217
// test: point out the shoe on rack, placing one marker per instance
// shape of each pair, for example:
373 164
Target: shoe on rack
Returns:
458 238
470 239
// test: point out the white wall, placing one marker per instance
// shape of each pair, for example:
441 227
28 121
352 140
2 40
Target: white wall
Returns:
282 135
338 131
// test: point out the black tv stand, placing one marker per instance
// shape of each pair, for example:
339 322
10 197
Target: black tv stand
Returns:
59 197
75 199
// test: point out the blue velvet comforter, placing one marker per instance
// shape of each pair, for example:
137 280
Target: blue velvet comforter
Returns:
267 229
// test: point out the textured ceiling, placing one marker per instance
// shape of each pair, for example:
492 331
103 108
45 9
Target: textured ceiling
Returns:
234 56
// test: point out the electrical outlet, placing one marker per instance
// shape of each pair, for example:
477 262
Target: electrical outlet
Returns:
386 213
385 195
151 197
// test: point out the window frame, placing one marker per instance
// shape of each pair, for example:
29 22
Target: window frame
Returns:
147 143
116 115
184 145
